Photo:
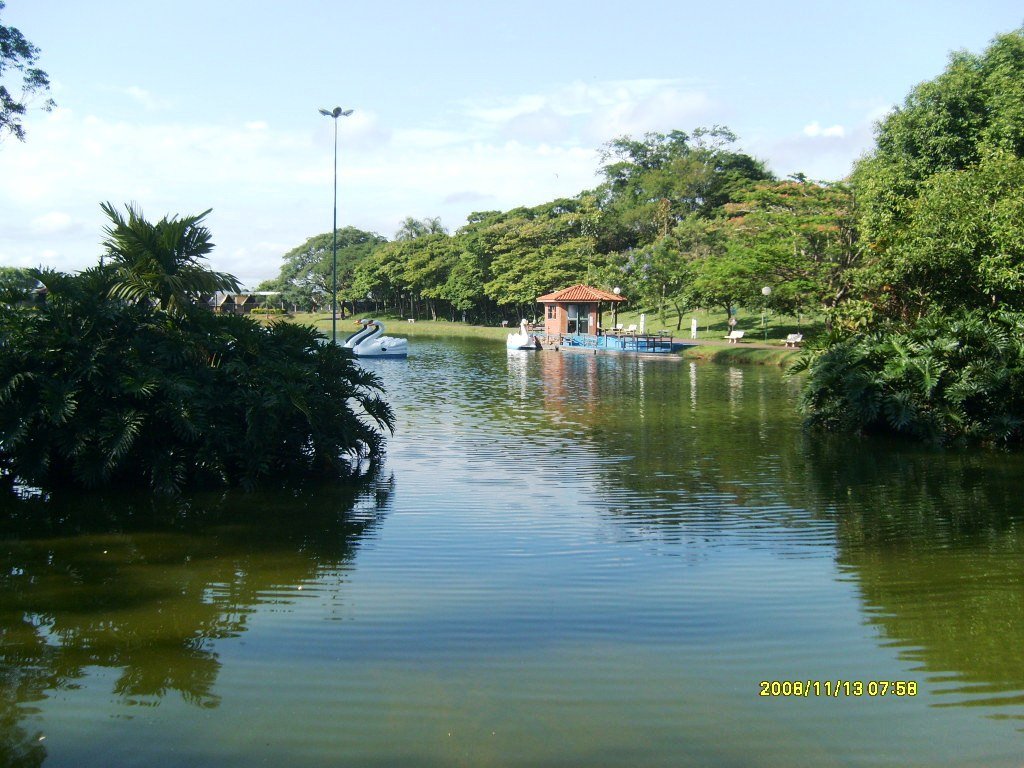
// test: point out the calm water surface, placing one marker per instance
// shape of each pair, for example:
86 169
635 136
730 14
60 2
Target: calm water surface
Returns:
568 560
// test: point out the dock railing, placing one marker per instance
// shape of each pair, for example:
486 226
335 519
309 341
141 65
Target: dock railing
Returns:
659 343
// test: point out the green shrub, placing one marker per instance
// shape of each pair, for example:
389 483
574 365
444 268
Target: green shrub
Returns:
947 379
98 391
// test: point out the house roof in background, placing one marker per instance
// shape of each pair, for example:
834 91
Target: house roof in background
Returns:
579 293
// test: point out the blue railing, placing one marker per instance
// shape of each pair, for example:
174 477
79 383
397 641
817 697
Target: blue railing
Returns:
625 342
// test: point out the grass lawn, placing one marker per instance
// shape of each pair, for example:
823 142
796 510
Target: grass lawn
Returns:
713 326
781 356
398 327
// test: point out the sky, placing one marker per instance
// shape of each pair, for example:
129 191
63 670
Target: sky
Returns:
458 106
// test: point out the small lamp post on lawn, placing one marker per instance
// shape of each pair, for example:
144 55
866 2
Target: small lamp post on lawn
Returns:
766 292
615 307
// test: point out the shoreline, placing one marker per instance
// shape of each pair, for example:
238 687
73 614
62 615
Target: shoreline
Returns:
707 349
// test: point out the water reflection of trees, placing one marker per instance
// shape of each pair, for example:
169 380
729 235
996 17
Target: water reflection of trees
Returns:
936 542
147 587
672 427
934 539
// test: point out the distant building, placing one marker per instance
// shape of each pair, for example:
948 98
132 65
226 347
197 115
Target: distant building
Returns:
575 310
237 303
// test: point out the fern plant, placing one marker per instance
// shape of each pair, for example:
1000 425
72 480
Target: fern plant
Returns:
947 379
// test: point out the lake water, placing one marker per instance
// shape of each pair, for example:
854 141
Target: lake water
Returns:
567 560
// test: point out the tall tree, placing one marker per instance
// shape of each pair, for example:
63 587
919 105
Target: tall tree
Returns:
161 262
654 183
306 275
17 54
798 237
537 250
412 228
938 355
940 195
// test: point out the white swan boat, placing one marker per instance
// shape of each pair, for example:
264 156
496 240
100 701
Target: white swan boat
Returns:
369 341
523 339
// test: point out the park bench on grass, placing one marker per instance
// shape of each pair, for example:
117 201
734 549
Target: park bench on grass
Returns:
794 339
734 336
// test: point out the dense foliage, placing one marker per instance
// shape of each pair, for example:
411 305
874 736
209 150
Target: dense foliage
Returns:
929 225
937 299
944 379
932 218
162 262
942 194
109 382
16 281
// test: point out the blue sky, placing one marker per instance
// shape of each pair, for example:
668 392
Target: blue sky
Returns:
459 106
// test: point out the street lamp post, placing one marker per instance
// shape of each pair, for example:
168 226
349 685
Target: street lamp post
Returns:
335 114
766 292
615 307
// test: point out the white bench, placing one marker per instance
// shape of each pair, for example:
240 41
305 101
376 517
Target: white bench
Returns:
734 336
794 339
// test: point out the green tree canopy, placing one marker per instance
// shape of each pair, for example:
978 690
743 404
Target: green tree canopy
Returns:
654 183
937 352
20 56
797 237
940 194
16 282
641 229
305 277
537 250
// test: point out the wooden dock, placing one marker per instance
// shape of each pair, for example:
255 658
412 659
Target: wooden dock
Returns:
655 344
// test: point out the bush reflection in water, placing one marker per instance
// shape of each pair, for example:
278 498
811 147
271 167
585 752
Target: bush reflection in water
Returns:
145 587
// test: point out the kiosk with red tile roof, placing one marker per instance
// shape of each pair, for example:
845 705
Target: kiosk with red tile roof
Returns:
572 318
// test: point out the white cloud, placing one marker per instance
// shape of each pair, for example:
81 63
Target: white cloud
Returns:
589 114
814 130
822 153
270 187
54 221
661 109
146 99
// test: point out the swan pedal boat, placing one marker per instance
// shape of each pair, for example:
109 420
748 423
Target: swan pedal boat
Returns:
523 339
369 341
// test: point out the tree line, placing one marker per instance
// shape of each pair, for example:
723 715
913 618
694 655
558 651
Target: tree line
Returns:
656 192
930 218
938 296
680 220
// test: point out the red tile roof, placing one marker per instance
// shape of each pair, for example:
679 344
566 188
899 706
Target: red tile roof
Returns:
579 293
